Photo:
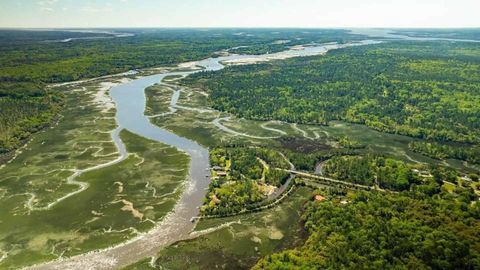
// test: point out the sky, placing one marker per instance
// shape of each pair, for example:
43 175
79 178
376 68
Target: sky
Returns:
239 13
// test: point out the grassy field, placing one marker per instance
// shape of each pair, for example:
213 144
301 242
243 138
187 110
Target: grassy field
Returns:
252 128
159 99
239 245
121 200
190 124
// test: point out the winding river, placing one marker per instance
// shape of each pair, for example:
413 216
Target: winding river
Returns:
130 103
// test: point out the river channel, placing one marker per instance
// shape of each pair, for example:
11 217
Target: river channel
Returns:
130 101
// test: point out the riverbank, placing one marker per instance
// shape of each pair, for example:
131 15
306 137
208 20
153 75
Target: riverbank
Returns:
45 217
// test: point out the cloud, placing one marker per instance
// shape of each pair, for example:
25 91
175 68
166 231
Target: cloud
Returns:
97 8
48 9
46 5
47 2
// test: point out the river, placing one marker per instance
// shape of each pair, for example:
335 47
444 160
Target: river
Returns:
389 34
130 101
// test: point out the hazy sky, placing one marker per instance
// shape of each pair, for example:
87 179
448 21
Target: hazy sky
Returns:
239 13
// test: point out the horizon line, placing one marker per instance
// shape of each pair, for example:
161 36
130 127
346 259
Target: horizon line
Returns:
235 27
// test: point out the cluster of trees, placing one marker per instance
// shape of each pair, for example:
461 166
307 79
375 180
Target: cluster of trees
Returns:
308 161
443 151
421 89
276 177
272 157
388 173
244 163
242 187
25 108
235 190
356 169
409 230
231 197
350 143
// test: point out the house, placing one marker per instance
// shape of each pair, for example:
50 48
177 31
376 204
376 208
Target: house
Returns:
319 198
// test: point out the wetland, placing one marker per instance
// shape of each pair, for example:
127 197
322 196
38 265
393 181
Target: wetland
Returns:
162 168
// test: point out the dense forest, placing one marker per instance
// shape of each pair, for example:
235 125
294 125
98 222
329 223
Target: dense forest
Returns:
25 108
372 230
31 59
445 151
387 173
427 90
472 34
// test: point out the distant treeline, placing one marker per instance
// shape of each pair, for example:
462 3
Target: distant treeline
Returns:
27 57
466 33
